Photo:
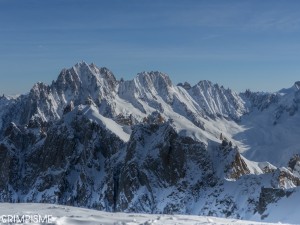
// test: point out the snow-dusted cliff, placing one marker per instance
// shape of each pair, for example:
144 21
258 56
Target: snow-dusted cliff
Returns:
147 145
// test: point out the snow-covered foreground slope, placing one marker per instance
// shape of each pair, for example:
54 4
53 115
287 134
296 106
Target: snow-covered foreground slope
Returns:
149 146
65 215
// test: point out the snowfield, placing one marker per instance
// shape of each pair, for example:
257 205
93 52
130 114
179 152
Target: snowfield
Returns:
65 215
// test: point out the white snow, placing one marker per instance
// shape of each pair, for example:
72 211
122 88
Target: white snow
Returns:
286 209
93 114
66 215
263 141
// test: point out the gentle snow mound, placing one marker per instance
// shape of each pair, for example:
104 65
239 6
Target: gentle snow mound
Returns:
65 215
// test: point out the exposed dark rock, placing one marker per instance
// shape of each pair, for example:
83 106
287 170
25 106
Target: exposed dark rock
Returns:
293 161
267 196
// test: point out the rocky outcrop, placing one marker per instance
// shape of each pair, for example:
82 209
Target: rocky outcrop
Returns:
71 165
234 164
268 196
157 158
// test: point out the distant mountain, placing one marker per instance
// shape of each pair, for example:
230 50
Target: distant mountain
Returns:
147 145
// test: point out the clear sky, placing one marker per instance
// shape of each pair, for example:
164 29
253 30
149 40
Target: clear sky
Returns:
240 44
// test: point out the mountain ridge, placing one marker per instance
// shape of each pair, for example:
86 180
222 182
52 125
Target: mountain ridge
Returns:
147 145
139 97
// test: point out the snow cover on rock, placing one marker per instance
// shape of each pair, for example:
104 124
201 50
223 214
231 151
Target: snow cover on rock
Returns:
147 145
66 215
92 113
270 130
286 209
259 123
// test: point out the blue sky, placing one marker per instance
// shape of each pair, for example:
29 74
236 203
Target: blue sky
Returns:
239 44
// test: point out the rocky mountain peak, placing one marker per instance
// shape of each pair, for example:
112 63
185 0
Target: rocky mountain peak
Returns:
83 75
3 97
297 85
82 69
39 88
209 86
216 100
148 87
205 83
85 72
154 79
81 66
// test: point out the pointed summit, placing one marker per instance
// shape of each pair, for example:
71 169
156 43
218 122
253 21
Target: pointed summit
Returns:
206 83
81 63
216 100
154 79
83 70
290 90
87 76
297 85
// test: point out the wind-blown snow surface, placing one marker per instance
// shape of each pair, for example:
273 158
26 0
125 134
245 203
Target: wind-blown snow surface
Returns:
65 215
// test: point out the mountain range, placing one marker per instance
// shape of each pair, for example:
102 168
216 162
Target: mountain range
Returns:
149 146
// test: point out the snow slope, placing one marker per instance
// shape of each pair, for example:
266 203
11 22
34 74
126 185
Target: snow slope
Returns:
270 131
93 114
285 209
66 215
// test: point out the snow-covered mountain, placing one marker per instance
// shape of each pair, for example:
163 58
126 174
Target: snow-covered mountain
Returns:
147 145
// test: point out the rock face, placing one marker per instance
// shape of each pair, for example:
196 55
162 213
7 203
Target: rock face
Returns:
215 100
267 196
79 162
157 159
143 145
